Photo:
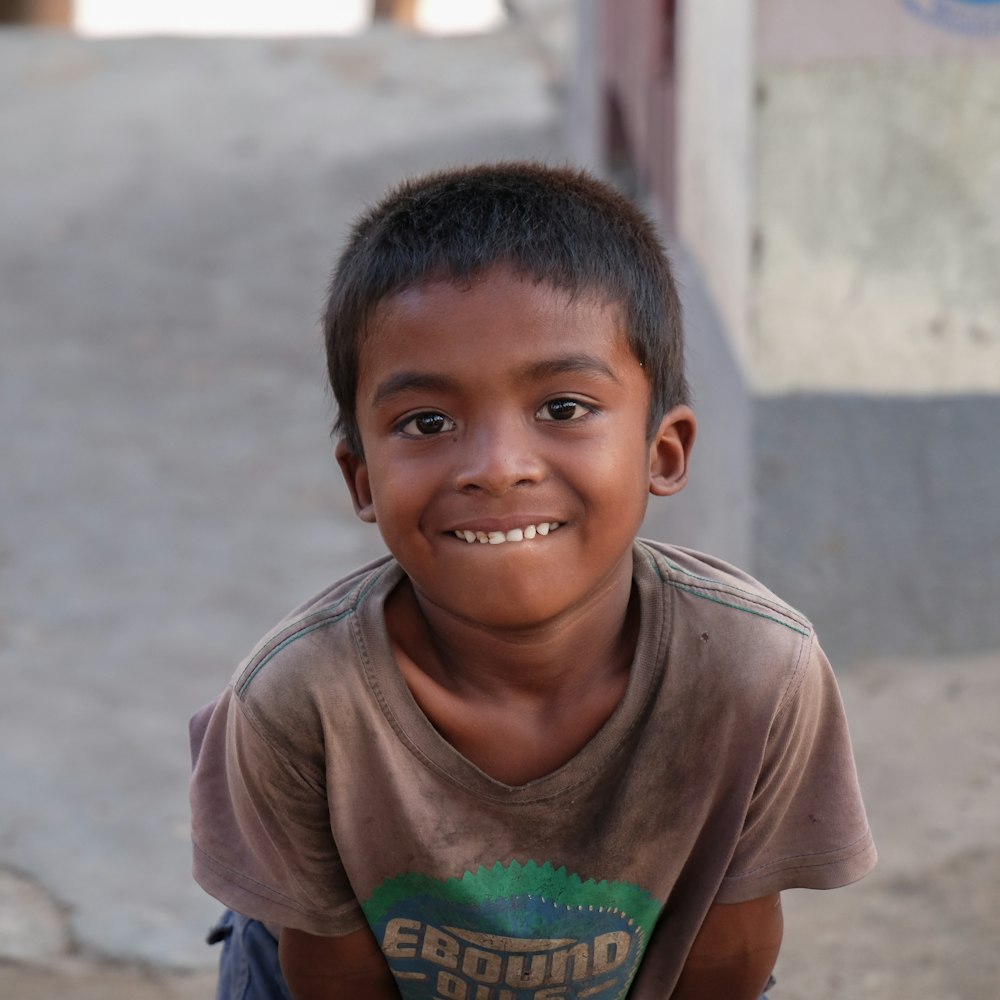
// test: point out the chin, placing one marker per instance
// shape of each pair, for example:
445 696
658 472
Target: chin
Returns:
502 607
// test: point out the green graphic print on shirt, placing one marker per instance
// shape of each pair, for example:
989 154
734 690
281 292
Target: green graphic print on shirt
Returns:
511 932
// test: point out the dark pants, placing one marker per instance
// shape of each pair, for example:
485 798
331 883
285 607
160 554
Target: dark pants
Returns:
248 966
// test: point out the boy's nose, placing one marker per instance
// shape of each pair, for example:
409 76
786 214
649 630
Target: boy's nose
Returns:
497 457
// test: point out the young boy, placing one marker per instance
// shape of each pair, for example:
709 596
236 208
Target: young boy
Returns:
525 756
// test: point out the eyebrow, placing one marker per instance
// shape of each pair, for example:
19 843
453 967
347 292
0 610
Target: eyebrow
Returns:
569 364
535 371
407 381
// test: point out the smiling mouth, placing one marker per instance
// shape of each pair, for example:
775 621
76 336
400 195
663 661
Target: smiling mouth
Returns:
524 534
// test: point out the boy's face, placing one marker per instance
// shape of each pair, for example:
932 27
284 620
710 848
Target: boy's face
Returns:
506 409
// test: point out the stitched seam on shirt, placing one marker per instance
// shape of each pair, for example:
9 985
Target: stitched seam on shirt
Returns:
394 721
301 633
735 607
729 586
812 860
376 689
329 616
796 680
247 882
801 626
503 792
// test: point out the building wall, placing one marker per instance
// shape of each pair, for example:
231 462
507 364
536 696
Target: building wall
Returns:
837 228
875 321
876 205
878 516
715 152
714 512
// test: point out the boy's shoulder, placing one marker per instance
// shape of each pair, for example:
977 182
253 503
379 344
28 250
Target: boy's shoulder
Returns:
727 630
719 589
732 648
303 644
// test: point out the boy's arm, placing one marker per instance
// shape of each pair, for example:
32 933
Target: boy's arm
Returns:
734 952
335 968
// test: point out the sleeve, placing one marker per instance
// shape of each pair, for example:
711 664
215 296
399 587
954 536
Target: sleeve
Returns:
806 825
261 828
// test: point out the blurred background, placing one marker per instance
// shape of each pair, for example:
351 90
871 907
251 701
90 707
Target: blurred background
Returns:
175 182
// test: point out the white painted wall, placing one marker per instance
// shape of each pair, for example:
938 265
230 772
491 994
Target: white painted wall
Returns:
715 92
878 213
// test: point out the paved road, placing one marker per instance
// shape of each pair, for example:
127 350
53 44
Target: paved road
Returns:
168 488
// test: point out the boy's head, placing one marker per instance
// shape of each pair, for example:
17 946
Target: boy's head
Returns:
558 226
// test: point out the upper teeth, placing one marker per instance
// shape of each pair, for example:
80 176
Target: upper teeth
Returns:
514 535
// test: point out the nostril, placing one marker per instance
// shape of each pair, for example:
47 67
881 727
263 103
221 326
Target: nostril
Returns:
495 464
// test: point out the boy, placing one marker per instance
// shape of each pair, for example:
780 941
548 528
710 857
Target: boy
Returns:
526 756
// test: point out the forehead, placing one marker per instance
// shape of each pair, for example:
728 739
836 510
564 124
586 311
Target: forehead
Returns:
519 318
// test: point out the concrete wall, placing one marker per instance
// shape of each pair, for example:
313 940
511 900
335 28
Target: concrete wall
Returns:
714 151
714 512
838 237
875 323
877 220
879 516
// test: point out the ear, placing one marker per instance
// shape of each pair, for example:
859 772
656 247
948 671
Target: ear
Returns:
356 476
670 451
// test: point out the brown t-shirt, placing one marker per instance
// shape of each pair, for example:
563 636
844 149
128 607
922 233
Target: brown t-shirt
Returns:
323 799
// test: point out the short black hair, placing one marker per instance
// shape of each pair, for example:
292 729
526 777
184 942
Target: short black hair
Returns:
557 225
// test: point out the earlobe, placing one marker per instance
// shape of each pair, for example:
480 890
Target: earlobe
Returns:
355 474
670 451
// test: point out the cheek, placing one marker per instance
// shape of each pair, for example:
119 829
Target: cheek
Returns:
622 472
400 491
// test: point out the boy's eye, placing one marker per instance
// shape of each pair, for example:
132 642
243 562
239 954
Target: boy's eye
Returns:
425 424
563 409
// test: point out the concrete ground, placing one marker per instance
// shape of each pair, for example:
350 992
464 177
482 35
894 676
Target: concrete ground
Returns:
170 210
